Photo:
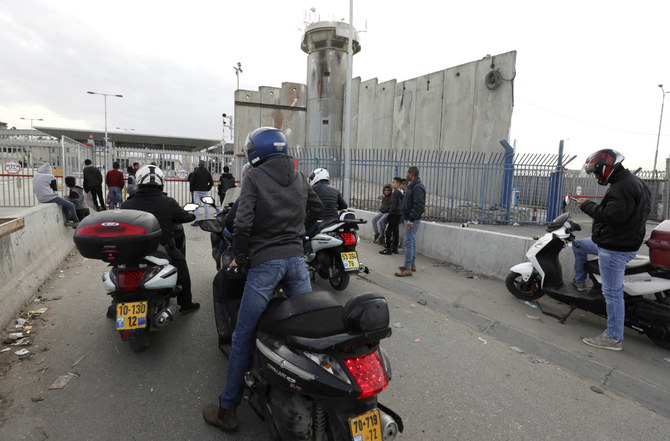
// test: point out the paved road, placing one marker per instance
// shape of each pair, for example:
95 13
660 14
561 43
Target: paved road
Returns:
450 381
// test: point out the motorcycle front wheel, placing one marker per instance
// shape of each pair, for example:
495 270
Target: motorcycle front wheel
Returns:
530 290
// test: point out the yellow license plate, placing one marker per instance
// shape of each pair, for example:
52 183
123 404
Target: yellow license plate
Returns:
131 315
366 427
350 260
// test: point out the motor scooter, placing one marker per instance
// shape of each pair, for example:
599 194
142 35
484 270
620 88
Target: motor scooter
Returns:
330 251
646 283
306 381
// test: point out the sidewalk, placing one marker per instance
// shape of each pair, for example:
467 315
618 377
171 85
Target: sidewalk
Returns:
639 372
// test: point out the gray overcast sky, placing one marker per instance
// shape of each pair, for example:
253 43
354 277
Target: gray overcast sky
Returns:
587 71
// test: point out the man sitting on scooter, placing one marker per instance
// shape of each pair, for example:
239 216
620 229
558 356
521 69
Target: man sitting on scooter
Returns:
268 233
150 198
617 233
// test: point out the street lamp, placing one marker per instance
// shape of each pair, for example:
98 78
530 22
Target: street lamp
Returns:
660 123
105 95
124 129
238 71
230 124
31 124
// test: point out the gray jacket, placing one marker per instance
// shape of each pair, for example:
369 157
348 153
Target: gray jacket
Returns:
43 183
273 206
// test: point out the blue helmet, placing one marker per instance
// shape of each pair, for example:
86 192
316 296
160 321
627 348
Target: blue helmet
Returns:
263 143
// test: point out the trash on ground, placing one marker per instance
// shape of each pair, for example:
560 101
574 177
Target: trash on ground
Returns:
470 275
20 322
530 304
533 317
536 359
57 298
667 359
597 390
516 224
13 336
36 399
25 341
61 381
61 276
397 325
41 361
5 349
39 311
482 340
77 362
412 305
421 301
516 349
416 340
22 352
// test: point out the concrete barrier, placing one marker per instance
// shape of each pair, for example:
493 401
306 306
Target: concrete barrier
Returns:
30 255
485 252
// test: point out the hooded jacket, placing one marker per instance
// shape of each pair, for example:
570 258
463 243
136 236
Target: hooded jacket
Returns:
619 220
44 184
385 206
272 208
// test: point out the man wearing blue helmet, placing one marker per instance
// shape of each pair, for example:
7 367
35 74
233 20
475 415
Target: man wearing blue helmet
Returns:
273 206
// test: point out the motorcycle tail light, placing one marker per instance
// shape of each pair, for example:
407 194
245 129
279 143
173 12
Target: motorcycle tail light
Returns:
349 238
130 280
368 372
111 229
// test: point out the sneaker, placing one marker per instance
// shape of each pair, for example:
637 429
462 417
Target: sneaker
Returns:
376 238
581 286
604 341
72 224
195 224
386 252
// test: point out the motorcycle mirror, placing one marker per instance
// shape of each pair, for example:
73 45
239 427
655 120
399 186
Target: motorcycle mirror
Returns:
208 200
211 225
191 206
567 200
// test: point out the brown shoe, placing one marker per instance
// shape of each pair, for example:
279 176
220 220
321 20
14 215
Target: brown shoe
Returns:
404 272
413 267
221 418
402 268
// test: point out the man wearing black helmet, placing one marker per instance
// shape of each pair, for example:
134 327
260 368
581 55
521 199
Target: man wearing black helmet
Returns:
269 229
617 233
150 198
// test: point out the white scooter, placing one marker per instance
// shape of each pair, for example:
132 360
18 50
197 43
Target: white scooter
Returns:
646 284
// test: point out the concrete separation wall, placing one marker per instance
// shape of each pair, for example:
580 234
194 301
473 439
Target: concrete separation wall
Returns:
30 255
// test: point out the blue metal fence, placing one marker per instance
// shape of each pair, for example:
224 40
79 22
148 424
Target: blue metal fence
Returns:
460 186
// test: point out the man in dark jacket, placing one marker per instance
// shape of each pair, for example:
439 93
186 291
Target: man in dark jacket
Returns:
331 198
226 181
93 183
150 198
616 235
201 182
269 229
413 206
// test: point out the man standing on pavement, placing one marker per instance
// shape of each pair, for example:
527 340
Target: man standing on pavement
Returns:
201 182
413 206
616 235
268 234
115 183
226 181
93 183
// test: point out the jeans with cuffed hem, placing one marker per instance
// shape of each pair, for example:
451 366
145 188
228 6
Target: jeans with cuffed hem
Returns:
69 211
612 266
410 243
197 196
290 274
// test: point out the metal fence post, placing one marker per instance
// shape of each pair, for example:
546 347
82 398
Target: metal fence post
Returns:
508 177
555 187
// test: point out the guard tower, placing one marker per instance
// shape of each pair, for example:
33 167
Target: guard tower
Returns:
326 44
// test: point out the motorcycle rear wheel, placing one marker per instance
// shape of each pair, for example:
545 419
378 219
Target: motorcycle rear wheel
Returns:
341 281
141 341
515 284
661 338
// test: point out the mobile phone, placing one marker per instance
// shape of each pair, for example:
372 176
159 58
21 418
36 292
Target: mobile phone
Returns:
573 199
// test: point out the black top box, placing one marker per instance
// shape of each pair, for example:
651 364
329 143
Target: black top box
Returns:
118 236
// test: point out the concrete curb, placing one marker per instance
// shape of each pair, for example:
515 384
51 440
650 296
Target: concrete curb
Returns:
652 396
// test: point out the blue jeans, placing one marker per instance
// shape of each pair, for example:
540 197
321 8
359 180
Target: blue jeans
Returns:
115 197
262 280
382 219
197 195
410 243
612 265
68 208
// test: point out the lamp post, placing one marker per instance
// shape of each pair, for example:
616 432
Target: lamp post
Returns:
238 71
124 129
660 123
31 124
105 95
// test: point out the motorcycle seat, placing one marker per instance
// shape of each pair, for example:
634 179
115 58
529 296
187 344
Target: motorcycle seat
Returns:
312 315
635 266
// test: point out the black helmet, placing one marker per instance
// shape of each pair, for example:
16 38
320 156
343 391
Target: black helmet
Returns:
603 163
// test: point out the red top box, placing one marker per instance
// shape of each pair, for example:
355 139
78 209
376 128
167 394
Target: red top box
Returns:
659 245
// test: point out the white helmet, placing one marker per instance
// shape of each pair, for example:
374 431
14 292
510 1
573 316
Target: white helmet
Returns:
319 174
150 175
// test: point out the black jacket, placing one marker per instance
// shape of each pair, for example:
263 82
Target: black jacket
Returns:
331 198
384 207
226 181
92 178
201 179
396 202
166 209
272 207
414 202
620 218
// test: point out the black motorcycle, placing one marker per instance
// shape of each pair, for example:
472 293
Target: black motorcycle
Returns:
312 382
